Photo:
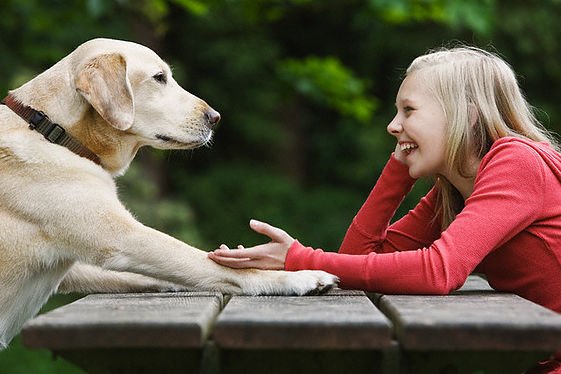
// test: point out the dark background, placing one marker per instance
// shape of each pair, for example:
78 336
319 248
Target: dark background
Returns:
305 89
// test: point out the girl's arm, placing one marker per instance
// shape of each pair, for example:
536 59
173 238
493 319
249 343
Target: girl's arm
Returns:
369 230
507 198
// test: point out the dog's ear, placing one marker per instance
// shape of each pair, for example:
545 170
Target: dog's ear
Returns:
104 83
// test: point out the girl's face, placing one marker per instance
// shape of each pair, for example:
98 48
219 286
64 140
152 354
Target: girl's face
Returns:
420 128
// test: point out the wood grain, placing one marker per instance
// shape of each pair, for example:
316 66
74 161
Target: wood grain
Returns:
333 321
127 320
467 320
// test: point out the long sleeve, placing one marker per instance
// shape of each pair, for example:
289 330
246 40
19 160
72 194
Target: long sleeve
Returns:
502 204
369 230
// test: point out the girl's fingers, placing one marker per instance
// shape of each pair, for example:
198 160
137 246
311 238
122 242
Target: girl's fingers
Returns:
272 232
226 248
233 262
241 252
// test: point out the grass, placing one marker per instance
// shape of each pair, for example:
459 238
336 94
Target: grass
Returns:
18 359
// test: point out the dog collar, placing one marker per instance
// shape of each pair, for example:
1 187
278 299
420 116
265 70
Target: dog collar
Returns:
53 132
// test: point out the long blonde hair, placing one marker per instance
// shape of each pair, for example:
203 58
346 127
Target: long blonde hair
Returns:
482 102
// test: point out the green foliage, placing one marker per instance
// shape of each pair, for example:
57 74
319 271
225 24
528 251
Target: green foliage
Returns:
477 15
19 360
305 88
228 196
35 33
328 82
167 214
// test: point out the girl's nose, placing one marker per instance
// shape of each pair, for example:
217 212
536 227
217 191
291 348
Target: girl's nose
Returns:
394 127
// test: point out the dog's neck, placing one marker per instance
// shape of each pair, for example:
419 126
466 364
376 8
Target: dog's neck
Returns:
115 148
53 132
58 99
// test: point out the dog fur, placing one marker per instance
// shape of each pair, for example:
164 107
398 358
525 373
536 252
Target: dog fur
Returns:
62 226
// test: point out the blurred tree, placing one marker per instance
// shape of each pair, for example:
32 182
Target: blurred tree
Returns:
305 88
307 82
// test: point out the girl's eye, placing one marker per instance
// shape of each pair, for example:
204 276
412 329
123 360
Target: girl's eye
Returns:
408 109
160 78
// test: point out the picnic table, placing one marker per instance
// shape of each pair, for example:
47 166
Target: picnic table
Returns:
473 330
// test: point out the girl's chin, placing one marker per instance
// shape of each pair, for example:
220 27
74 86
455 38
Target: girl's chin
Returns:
415 173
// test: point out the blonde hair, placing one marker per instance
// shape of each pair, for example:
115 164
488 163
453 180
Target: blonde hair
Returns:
482 102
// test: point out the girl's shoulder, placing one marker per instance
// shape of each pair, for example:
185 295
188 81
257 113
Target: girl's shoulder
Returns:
522 155
521 143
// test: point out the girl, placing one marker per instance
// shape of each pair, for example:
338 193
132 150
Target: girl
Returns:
495 207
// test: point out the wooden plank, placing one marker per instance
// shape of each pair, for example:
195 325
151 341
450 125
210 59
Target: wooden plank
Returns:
337 320
475 283
171 320
468 320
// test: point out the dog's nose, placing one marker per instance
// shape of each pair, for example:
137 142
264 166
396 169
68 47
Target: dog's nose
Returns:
212 118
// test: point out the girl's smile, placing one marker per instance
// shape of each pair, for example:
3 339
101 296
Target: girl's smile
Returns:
408 147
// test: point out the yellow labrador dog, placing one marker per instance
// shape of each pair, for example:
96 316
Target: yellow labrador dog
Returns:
64 135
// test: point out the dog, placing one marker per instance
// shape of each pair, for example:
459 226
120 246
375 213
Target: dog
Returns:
65 135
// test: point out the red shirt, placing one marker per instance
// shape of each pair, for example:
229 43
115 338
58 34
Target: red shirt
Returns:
509 230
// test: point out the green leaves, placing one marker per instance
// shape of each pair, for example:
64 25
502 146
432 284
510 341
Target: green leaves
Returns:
328 82
477 15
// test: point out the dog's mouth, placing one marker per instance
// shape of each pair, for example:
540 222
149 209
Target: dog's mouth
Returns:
176 143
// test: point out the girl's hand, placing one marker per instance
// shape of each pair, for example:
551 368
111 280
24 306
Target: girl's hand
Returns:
269 256
398 154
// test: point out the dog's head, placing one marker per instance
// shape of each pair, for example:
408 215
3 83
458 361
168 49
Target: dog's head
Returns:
133 90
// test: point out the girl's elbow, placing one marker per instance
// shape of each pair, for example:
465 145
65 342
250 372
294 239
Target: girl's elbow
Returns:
447 286
443 290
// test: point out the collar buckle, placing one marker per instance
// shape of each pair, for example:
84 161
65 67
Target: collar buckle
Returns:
37 119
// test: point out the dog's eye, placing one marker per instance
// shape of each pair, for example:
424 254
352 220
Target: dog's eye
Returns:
160 77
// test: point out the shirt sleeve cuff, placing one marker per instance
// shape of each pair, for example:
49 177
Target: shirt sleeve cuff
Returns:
295 256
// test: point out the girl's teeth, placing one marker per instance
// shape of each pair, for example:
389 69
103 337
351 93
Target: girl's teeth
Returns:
408 147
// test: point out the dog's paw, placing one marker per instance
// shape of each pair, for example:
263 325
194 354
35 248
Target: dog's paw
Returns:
289 283
310 282
282 283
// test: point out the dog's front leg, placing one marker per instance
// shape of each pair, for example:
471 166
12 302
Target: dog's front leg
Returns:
84 278
149 252
103 233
